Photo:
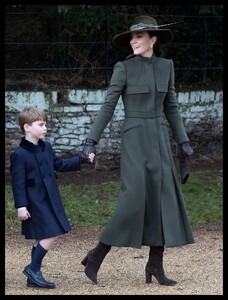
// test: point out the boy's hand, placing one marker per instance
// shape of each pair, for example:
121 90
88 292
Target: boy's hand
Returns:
91 157
23 214
86 160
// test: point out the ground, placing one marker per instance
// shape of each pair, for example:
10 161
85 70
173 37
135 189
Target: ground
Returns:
198 268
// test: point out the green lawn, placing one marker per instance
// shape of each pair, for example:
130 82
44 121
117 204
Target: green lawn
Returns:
92 205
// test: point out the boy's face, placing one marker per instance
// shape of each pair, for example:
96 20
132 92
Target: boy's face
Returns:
35 131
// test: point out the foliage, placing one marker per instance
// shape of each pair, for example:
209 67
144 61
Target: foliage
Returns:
74 42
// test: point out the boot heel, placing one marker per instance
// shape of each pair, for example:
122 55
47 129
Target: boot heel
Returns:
84 261
148 277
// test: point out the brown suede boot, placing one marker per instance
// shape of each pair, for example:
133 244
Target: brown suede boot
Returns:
94 259
154 267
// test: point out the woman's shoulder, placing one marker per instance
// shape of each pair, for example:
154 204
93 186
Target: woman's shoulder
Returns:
126 59
129 56
163 61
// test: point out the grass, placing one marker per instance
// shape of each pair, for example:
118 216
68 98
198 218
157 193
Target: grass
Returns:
92 205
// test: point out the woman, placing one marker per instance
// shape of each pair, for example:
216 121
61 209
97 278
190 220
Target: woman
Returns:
150 210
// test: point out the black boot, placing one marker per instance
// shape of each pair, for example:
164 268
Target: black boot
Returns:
154 267
93 260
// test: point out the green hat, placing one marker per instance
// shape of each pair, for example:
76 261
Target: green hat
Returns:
144 23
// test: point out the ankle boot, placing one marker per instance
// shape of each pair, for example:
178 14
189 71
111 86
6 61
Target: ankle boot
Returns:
94 259
154 267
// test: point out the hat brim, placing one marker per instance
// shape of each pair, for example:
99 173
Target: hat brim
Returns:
123 39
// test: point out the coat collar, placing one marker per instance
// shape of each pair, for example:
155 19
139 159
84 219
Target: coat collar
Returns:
149 60
30 146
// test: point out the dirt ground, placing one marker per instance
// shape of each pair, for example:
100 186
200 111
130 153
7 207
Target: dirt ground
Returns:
198 268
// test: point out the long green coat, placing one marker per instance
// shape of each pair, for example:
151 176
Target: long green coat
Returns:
150 209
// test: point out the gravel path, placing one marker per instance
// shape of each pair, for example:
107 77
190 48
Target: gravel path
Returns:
198 268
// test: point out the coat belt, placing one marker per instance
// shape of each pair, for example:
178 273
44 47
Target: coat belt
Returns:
146 114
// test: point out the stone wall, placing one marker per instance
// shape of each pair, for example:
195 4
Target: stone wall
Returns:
71 115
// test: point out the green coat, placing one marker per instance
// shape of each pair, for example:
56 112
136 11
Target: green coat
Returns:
150 209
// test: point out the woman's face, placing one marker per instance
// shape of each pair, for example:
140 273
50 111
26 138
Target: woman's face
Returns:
142 43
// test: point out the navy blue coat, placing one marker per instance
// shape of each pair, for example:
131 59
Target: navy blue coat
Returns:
34 184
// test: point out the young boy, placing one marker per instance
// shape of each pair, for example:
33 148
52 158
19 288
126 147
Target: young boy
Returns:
35 190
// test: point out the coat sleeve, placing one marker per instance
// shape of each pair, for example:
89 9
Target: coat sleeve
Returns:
117 84
172 112
64 164
18 180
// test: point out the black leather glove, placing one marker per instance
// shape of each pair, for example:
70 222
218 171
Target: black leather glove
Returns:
83 159
185 151
187 148
89 147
